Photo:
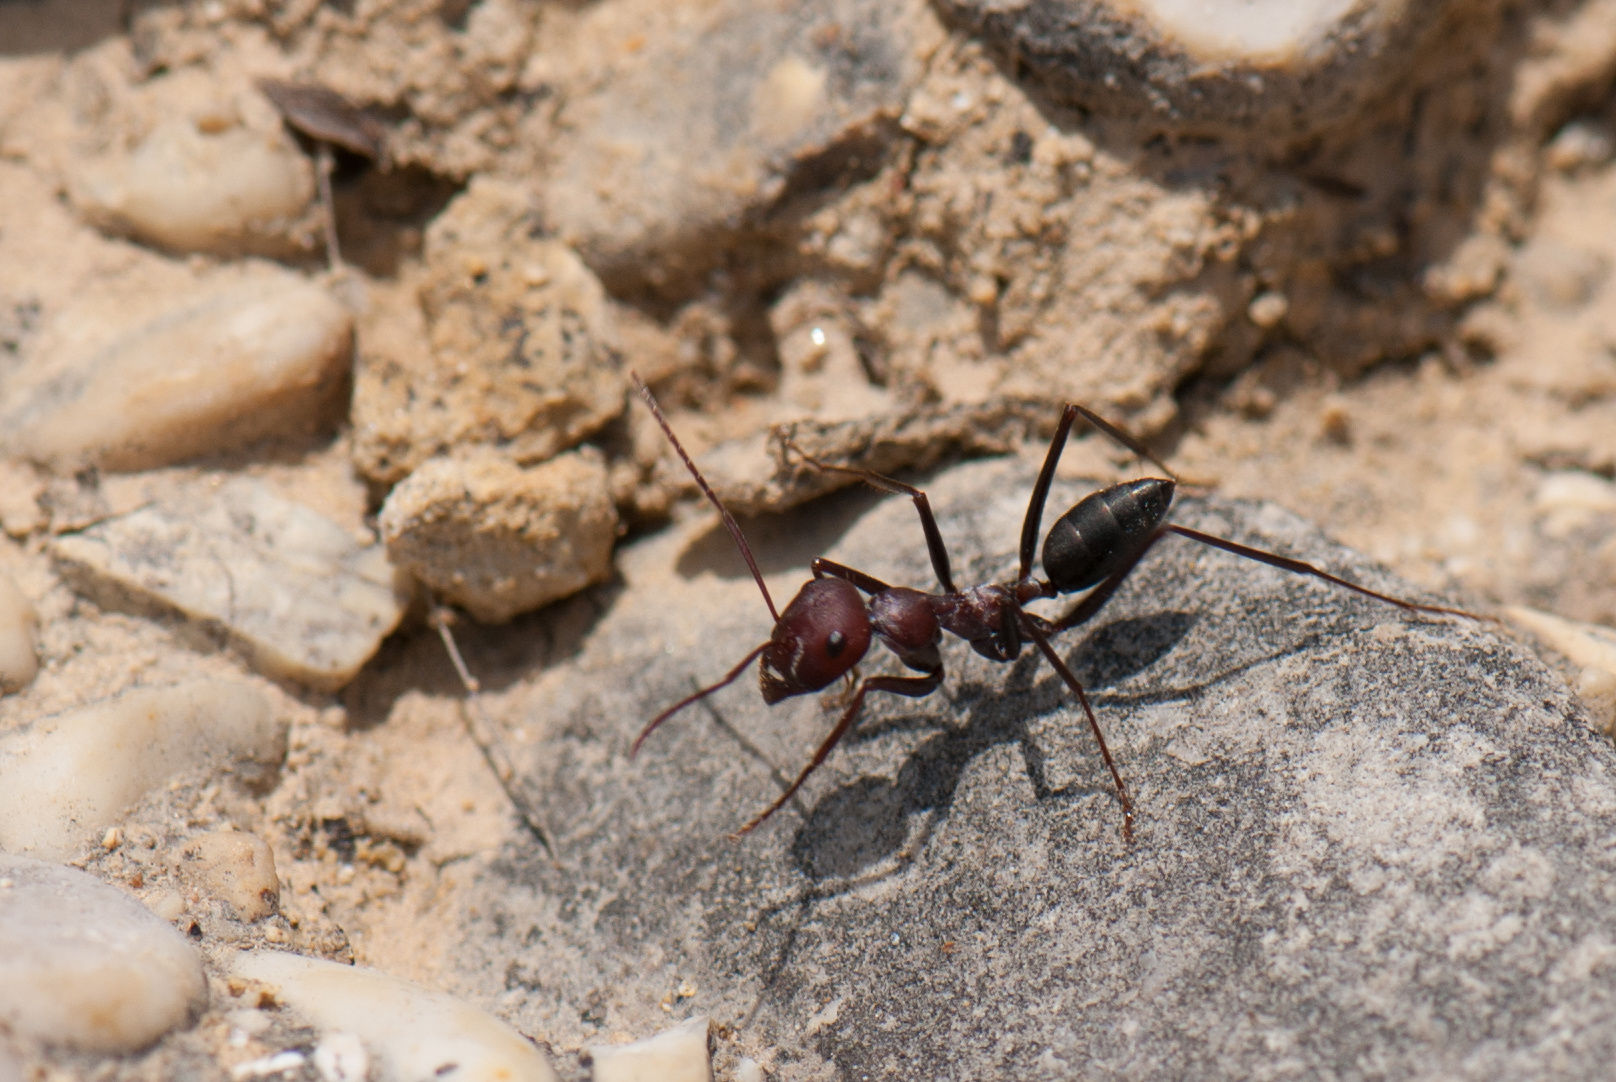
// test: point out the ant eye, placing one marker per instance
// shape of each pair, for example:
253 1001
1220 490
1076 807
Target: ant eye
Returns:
834 644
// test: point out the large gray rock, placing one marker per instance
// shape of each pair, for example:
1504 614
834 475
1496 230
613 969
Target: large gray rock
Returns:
1281 66
1367 843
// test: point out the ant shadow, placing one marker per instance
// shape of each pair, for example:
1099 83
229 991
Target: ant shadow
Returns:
866 821
855 830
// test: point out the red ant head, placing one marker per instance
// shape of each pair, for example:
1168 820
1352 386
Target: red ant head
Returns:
822 634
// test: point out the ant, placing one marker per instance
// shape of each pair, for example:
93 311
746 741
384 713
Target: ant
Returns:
826 629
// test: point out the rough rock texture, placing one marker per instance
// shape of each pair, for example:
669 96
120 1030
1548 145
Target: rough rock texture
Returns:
300 597
694 121
1362 837
499 540
512 345
1276 66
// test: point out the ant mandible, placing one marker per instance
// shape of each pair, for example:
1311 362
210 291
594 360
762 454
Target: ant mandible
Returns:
827 628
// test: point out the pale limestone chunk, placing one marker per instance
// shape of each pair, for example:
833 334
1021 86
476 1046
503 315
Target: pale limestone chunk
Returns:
500 540
512 344
86 966
1590 646
64 779
409 1031
247 356
294 591
194 190
675 1055
19 658
238 868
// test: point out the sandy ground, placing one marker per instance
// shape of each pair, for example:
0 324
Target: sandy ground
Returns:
1482 470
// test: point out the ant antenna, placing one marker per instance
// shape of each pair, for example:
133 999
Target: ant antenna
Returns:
701 482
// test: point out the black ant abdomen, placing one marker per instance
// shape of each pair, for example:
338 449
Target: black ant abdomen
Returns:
1092 541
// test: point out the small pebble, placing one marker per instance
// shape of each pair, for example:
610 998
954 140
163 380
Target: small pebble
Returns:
252 355
497 539
412 1033
86 966
1580 143
299 596
269 1065
341 1057
679 1054
1590 646
19 654
1571 499
192 190
237 868
1596 687
1268 309
64 779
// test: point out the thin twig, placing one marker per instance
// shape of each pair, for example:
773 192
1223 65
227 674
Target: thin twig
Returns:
485 735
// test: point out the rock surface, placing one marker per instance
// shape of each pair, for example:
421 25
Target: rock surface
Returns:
1289 66
142 372
499 540
66 778
413 1033
298 595
86 966
511 344
694 118
1362 837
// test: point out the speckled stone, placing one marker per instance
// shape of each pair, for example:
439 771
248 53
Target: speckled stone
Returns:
1284 67
1362 837
298 595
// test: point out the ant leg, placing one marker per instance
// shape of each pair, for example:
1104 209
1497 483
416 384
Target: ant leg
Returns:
914 687
707 490
1284 563
1031 524
868 583
688 699
928 521
1054 660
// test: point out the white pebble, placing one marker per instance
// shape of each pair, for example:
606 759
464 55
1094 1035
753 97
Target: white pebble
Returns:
194 191
299 596
1596 687
497 539
1587 645
64 779
254 355
19 656
1268 309
237 868
679 1054
413 1034
269 1065
84 965
341 1057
